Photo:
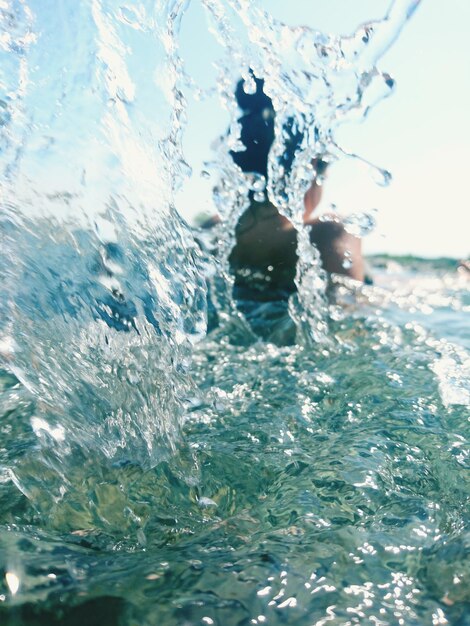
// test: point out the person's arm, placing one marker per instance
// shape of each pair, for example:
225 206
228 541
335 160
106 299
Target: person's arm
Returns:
341 252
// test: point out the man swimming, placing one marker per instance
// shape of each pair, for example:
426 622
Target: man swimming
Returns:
264 257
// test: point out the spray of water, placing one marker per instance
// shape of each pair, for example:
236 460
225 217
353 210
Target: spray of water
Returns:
316 82
315 485
102 297
103 294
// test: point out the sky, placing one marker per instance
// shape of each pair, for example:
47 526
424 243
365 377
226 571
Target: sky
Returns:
421 134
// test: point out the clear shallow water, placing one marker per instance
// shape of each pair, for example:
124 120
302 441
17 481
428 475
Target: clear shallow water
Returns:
150 474
314 485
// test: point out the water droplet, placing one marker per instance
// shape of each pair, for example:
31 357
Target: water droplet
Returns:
205 503
326 217
249 84
4 113
141 538
130 16
259 183
13 582
359 224
381 177
347 261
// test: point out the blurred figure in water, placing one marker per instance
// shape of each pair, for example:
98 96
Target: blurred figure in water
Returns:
264 258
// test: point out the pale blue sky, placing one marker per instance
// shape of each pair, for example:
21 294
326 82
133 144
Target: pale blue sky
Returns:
421 134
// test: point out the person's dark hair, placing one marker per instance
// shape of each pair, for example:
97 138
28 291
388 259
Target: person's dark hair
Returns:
257 130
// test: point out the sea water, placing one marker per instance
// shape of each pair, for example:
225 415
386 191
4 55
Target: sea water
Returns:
154 473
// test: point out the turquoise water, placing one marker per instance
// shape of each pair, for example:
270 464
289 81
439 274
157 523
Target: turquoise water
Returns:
312 485
300 463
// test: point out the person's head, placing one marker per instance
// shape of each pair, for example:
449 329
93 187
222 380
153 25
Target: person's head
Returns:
257 135
257 128
257 131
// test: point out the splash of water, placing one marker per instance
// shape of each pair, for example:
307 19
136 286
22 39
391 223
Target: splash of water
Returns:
102 297
320 485
316 82
104 292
